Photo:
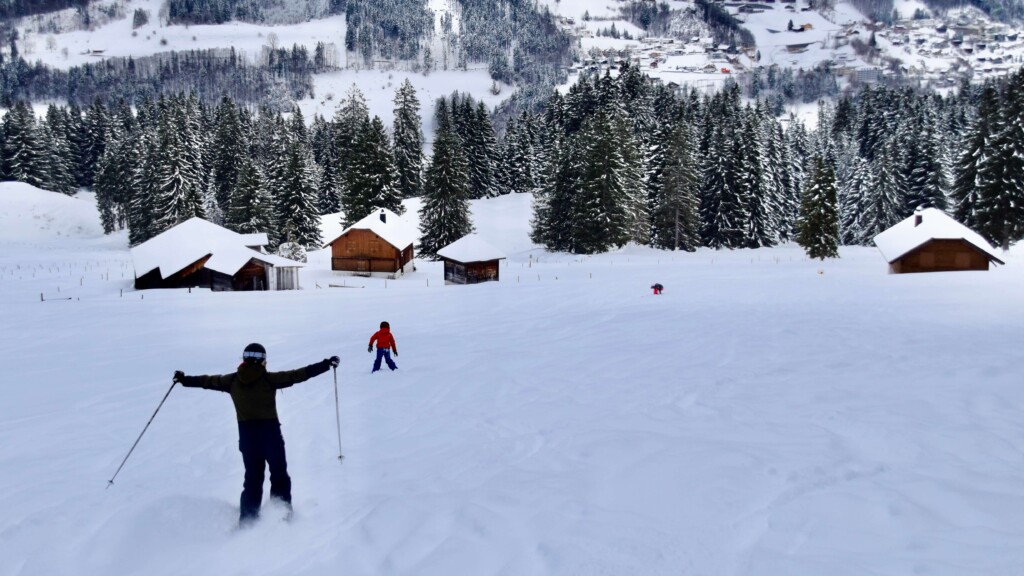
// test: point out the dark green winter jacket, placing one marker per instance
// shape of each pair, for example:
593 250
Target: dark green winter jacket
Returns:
253 389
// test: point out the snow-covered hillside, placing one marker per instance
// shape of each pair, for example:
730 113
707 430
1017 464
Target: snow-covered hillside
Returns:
117 38
765 415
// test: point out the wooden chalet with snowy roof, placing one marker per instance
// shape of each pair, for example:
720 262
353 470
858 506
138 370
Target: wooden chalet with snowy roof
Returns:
470 260
932 241
198 253
382 242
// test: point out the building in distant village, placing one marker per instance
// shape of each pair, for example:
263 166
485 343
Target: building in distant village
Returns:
379 243
931 241
470 260
198 253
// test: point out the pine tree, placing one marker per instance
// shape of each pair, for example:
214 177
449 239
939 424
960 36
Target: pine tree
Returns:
114 183
229 147
481 146
93 139
408 142
444 216
1000 204
884 204
819 215
349 118
144 214
370 177
296 199
24 158
57 156
251 207
928 184
552 220
179 189
675 220
964 192
325 154
602 206
855 194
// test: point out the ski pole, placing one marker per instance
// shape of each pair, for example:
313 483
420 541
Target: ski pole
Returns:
111 481
337 413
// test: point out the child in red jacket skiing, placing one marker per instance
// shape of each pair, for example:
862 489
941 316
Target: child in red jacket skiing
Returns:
385 345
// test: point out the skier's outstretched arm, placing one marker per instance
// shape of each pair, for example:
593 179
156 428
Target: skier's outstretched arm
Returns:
289 377
220 383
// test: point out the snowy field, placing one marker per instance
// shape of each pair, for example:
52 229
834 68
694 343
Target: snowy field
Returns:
765 415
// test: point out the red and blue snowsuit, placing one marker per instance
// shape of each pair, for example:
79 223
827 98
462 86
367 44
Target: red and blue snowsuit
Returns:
385 344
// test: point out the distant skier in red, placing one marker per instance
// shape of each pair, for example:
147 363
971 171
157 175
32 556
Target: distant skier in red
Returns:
385 345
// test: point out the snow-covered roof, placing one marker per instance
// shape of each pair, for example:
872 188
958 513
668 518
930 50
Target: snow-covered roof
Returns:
194 239
935 224
470 248
393 229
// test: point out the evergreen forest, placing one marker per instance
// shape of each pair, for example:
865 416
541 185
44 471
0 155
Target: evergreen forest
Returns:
613 160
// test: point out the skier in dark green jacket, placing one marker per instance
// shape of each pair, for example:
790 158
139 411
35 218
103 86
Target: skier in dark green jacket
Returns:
253 391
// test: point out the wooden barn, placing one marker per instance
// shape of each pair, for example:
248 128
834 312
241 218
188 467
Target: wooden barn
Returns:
931 241
197 253
470 260
380 243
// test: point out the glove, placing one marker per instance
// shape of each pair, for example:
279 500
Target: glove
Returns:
334 361
369 348
179 377
396 353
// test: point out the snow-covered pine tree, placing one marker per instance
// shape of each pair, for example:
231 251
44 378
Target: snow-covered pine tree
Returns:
773 162
602 207
754 182
114 182
230 145
349 118
93 139
482 151
1000 206
408 141
444 216
371 173
928 184
143 218
251 207
819 215
24 156
884 205
298 219
552 221
675 219
76 132
855 194
325 154
796 154
57 155
179 185
723 209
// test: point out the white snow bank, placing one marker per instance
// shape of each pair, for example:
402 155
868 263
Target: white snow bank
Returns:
28 214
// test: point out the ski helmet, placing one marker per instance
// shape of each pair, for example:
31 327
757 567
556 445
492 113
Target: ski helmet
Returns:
254 353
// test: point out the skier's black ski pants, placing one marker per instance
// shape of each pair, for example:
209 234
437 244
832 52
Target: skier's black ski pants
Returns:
261 444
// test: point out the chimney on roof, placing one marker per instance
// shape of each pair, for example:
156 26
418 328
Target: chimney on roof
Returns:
917 218
383 217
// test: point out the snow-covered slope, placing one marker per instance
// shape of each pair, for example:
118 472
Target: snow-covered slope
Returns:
30 214
765 415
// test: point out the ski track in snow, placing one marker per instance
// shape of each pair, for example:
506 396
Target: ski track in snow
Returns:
756 418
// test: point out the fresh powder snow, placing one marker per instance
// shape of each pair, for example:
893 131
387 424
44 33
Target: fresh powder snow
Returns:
766 414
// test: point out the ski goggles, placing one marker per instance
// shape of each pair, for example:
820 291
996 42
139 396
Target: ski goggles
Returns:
253 355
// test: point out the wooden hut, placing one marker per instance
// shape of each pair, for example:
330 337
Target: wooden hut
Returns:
197 253
931 241
380 243
470 260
